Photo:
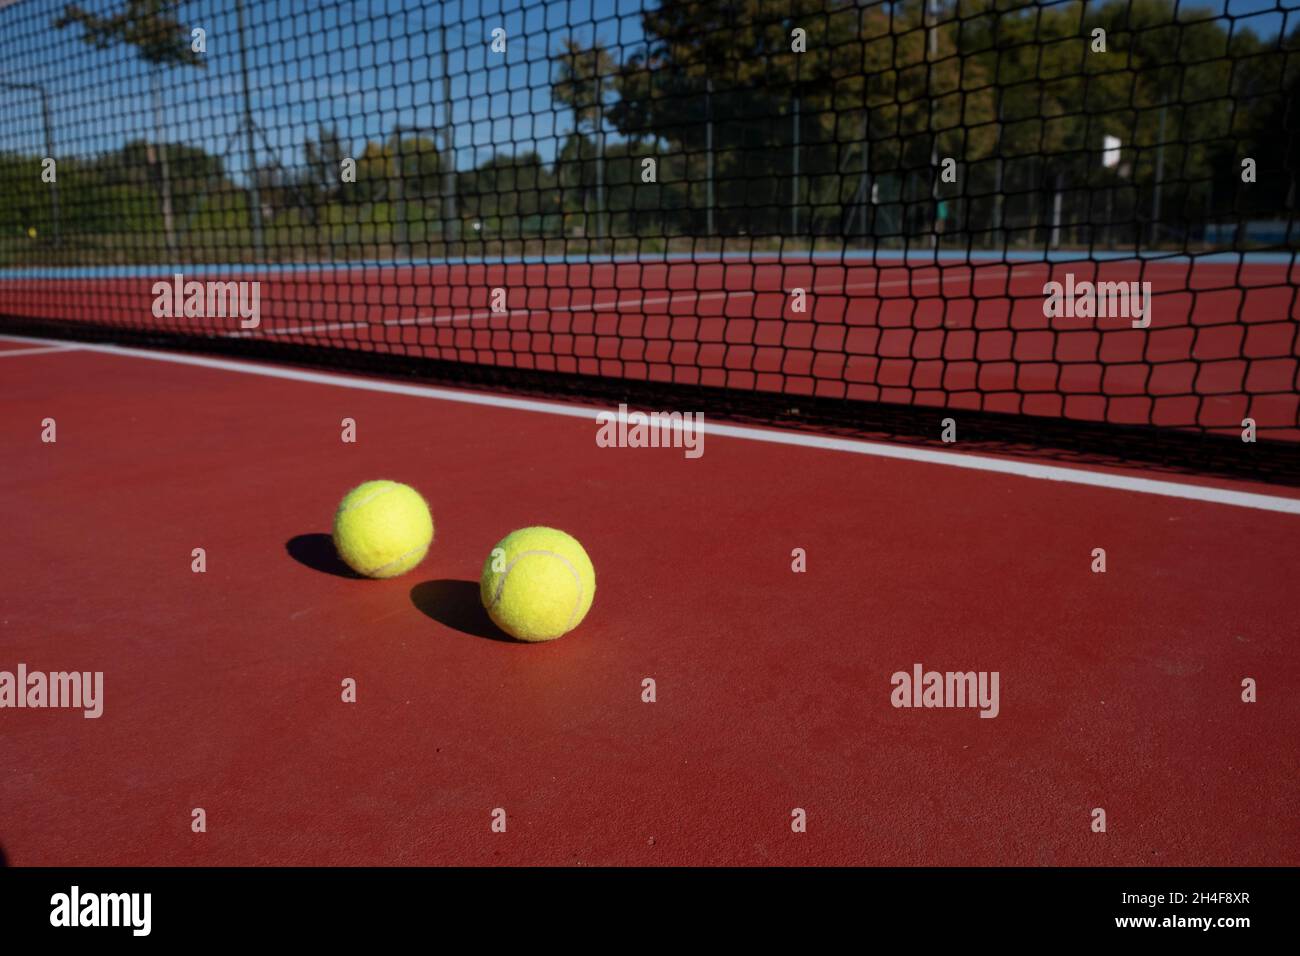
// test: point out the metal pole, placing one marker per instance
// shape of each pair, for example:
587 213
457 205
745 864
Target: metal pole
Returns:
708 152
49 151
864 181
864 185
1290 208
400 224
48 129
1110 216
1056 210
600 167
1160 166
998 177
254 198
448 158
169 225
794 184
932 41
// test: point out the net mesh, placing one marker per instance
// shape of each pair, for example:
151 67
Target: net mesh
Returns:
1058 212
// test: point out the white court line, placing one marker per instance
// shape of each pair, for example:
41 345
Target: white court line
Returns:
298 329
640 303
1022 469
469 317
44 350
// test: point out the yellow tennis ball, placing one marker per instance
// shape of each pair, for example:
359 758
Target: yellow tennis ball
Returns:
382 529
537 584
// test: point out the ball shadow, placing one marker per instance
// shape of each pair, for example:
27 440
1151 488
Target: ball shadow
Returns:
316 551
456 604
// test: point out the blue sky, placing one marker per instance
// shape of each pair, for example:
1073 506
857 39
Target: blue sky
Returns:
362 66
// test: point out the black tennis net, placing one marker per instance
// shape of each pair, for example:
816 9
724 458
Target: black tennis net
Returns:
1032 213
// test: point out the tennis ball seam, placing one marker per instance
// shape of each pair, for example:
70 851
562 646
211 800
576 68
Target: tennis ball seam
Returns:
365 501
398 560
577 578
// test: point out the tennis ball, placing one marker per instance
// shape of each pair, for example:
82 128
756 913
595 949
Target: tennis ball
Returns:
537 584
382 529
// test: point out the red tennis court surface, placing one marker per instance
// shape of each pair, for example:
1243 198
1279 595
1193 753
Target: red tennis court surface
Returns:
1222 344
222 690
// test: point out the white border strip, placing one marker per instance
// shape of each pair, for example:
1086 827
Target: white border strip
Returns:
43 350
1022 469
842 289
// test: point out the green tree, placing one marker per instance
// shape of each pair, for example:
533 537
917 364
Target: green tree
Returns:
324 157
583 80
161 41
